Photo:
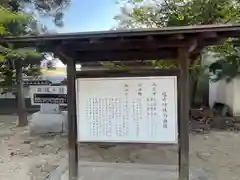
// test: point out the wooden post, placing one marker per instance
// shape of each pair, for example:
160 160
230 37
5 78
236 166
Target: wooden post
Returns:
21 110
183 61
72 121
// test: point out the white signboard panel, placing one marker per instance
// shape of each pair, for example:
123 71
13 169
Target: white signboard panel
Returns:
134 109
48 95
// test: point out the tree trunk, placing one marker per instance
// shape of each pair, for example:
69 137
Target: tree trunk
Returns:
21 110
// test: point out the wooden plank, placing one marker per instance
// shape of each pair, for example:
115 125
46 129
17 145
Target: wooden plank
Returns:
183 61
122 63
134 44
127 73
72 121
22 114
125 55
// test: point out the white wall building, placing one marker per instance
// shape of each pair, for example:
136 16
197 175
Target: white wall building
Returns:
223 92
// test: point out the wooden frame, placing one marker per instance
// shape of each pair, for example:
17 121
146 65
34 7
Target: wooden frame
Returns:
72 122
130 73
181 43
183 111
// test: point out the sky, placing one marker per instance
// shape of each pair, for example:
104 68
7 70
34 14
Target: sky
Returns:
87 15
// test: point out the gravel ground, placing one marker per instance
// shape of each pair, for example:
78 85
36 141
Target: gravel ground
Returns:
33 158
26 157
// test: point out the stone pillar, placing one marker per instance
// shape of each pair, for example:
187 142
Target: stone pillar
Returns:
49 119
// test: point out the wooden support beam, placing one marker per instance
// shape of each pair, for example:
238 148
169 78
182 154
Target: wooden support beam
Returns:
125 55
126 45
232 34
130 73
183 60
72 121
177 36
22 114
210 34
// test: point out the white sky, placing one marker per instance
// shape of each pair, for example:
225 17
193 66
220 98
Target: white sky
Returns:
59 64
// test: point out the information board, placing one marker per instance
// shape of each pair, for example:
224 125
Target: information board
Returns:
131 110
48 95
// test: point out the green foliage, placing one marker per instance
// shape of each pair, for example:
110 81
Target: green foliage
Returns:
43 8
15 21
113 66
162 13
8 17
9 55
227 67
164 64
12 18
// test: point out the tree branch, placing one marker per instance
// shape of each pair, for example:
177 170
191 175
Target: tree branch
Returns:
169 6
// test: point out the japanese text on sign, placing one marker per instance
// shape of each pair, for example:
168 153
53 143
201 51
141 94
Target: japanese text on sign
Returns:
48 95
140 109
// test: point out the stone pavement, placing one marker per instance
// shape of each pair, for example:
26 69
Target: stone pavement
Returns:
120 171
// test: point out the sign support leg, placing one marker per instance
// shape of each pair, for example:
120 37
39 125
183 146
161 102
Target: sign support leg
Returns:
72 121
183 61
21 109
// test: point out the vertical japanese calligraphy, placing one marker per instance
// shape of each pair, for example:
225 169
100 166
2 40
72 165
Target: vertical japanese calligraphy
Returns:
164 110
127 109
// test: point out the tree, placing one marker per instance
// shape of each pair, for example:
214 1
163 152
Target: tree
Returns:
15 62
163 13
8 54
43 8
19 17
228 65
49 61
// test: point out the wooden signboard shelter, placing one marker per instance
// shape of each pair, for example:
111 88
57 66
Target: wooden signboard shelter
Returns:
181 43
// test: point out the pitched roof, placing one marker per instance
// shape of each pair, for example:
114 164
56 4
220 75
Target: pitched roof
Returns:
134 44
